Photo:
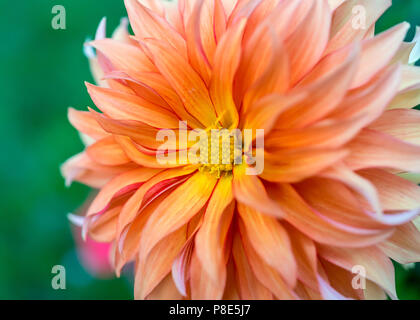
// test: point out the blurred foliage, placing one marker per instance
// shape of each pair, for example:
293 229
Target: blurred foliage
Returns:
43 71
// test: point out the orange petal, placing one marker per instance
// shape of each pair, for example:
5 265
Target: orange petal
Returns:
275 78
211 237
374 57
404 245
202 286
266 113
296 165
165 290
85 122
183 77
374 149
176 210
408 98
323 96
122 106
195 43
144 157
119 185
151 271
395 193
324 134
304 251
342 30
226 62
152 188
267 275
306 220
123 56
249 286
249 190
308 42
402 124
379 268
372 99
271 242
107 152
81 168
148 24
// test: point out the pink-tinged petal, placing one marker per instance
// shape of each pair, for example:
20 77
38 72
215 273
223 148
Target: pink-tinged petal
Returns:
347 210
307 44
226 62
182 263
400 123
220 19
406 99
372 99
410 77
374 292
357 183
342 30
157 83
404 245
150 190
120 185
323 96
142 156
124 57
155 5
378 52
328 292
85 122
395 193
147 24
340 280
305 219
375 149
271 242
81 168
334 4
379 268
141 89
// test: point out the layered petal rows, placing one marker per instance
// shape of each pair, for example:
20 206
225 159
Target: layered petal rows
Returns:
341 149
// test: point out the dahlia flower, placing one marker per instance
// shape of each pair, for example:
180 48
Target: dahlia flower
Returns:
341 152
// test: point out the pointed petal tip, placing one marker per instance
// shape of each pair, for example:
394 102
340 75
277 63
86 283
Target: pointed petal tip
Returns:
75 219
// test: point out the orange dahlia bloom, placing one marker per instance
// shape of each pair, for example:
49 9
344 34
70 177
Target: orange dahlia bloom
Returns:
341 149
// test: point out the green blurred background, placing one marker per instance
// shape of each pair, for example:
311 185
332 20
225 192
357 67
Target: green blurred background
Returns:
42 74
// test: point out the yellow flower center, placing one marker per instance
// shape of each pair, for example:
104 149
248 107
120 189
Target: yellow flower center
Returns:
220 152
